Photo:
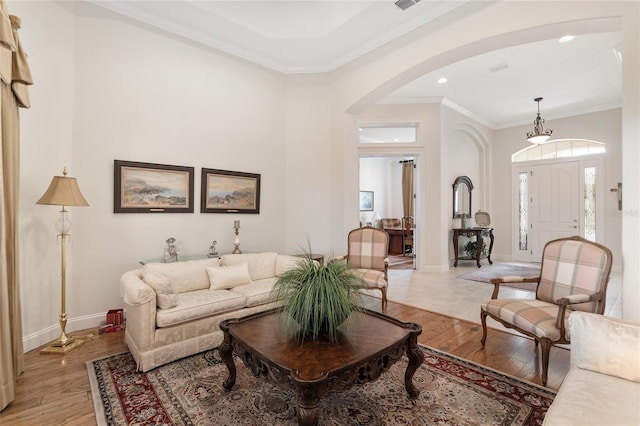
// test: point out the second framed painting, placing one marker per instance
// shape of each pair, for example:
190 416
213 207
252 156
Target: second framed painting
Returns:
224 191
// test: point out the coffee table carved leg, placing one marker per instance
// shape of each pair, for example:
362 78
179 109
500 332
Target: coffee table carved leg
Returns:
308 400
226 353
415 356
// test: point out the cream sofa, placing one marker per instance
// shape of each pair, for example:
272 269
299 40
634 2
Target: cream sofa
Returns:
174 309
603 383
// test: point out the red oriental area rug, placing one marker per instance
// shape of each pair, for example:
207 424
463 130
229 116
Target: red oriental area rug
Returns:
189 392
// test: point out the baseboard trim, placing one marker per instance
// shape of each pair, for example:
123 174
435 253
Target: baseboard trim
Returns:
49 334
434 268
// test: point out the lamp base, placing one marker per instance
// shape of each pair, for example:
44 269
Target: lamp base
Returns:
56 348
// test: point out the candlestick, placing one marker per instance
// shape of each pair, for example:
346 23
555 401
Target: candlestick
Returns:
236 243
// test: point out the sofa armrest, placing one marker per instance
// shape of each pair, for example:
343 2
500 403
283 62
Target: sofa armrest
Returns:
134 291
140 302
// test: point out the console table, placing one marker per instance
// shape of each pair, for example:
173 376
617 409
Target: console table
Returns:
479 233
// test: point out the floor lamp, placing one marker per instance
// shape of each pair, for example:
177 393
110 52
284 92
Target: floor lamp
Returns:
63 191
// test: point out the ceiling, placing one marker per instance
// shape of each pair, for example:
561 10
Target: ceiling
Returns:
306 36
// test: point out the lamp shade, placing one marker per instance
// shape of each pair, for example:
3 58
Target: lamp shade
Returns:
538 139
63 191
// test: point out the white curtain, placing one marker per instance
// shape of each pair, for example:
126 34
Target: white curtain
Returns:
14 76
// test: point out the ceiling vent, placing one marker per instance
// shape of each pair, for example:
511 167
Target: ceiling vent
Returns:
501 66
405 4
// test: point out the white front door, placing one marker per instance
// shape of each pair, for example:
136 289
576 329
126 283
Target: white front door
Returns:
553 205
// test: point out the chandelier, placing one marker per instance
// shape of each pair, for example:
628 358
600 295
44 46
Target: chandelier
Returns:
539 135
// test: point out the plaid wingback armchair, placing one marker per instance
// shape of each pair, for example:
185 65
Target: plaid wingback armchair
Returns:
573 276
367 254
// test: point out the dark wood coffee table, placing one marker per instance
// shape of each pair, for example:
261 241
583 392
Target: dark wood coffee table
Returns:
370 344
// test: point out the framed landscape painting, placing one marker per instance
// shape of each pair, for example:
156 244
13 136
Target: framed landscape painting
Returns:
225 191
152 188
366 201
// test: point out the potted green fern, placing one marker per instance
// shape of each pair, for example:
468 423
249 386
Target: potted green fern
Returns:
471 249
317 298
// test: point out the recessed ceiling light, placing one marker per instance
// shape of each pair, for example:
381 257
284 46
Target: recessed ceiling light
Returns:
566 38
442 80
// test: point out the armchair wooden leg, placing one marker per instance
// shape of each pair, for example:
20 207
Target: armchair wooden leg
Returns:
545 349
483 319
384 300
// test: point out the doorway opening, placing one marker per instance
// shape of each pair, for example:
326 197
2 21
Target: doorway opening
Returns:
394 202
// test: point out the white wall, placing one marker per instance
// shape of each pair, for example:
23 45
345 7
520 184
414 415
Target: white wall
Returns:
132 94
308 166
374 176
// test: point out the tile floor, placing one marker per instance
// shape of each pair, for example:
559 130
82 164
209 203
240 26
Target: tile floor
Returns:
444 293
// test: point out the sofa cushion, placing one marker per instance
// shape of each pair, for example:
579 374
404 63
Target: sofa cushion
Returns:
285 263
258 292
589 398
199 304
224 277
261 265
184 276
165 296
605 345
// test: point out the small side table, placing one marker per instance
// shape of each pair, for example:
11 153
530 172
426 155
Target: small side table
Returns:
479 233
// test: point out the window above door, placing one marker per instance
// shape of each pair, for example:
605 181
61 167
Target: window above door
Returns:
388 133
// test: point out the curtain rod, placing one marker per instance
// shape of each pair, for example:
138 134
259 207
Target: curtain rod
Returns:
405 161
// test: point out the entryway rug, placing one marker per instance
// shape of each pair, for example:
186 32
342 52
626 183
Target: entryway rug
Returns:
189 392
400 262
497 270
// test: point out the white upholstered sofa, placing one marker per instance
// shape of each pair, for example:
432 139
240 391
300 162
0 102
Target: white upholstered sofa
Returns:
174 309
603 383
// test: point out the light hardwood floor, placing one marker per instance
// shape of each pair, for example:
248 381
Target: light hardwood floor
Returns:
54 390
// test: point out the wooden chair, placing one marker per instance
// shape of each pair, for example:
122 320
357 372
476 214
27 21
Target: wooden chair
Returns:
573 276
367 254
391 222
407 236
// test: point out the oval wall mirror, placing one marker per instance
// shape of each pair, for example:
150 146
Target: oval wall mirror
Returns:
462 188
